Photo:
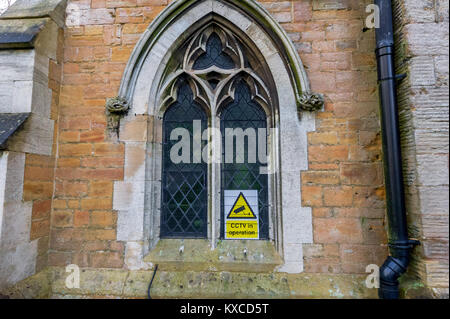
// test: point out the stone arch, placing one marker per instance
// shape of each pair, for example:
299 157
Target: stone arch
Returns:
136 198
250 9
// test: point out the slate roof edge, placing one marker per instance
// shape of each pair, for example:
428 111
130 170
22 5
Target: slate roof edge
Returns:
20 33
9 124
22 22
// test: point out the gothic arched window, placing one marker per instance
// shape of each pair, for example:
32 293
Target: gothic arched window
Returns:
216 73
212 62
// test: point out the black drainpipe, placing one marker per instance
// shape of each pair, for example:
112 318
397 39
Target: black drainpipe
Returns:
399 243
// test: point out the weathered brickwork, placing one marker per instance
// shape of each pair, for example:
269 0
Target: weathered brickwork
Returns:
422 53
95 55
344 184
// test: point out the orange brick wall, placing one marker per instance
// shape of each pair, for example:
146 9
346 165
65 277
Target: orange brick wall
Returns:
344 185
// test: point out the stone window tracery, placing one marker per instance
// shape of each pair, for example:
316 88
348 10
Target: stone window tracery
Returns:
214 59
214 76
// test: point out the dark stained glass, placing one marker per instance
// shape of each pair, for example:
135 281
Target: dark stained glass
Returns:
184 186
214 56
245 113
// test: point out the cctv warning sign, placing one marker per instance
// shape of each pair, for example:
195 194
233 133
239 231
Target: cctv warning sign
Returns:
241 214
242 230
241 209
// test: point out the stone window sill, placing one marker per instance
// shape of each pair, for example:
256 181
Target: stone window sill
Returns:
230 255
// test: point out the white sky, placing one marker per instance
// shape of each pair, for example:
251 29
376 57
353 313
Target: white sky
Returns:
4 4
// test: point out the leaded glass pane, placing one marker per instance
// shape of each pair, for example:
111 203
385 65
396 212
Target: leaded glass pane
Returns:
184 185
245 113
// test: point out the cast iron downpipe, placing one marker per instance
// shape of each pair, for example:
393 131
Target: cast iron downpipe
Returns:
399 243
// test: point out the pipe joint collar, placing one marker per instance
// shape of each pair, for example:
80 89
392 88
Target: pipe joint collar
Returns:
384 50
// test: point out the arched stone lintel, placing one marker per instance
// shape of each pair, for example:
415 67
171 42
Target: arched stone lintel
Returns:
256 13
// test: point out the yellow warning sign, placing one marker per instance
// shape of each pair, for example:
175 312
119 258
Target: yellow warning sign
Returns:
242 220
247 229
241 209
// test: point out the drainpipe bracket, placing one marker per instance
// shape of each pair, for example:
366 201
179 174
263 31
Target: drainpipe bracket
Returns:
410 243
400 77
402 249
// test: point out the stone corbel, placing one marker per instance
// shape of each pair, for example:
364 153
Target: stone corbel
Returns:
116 108
310 102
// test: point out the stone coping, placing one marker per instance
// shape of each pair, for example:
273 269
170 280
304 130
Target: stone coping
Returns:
122 283
20 34
26 9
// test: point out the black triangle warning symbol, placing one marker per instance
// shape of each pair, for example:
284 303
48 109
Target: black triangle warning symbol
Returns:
241 209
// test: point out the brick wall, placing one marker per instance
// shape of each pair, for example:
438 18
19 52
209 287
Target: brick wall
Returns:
344 184
95 55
